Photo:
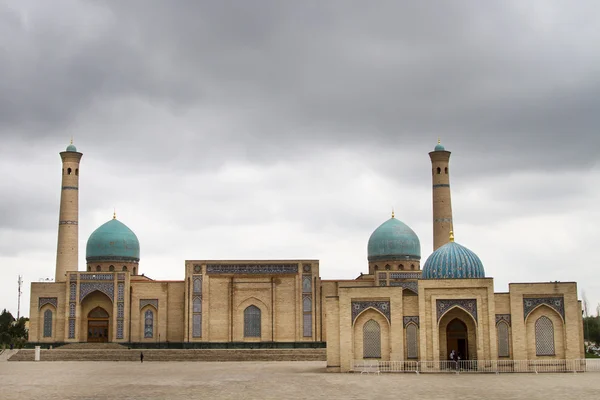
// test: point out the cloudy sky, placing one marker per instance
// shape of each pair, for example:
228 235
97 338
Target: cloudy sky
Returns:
280 129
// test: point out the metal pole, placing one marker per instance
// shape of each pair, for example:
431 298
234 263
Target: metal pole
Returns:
20 282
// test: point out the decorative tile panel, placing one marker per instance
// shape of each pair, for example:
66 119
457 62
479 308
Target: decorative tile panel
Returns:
197 268
381 306
72 309
86 288
197 284
469 305
145 302
503 317
382 282
48 300
197 325
410 285
382 275
411 319
252 269
404 275
556 303
121 276
71 328
67 222
119 329
96 277
72 291
120 291
73 277
306 267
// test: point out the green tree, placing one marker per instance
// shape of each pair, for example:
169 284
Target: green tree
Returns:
12 331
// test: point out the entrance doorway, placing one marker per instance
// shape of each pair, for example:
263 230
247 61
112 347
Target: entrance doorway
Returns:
457 338
98 325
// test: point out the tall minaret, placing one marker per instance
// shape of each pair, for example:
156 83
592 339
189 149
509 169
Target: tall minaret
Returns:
442 204
67 251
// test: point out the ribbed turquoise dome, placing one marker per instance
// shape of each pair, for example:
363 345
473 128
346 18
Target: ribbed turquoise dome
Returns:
453 261
393 240
71 147
113 241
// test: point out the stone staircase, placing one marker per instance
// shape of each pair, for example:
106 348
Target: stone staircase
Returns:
124 354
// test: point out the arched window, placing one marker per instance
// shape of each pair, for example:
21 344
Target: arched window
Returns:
401 267
371 339
439 170
111 268
387 267
89 268
124 268
503 345
148 324
77 171
197 304
252 322
69 170
544 337
412 267
306 284
197 317
376 267
48 323
307 316
98 268
446 170
412 343
134 270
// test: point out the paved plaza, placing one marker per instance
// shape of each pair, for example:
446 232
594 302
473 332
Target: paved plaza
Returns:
271 380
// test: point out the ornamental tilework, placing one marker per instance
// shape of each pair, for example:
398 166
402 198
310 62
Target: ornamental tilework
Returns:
404 275
121 277
120 291
252 269
556 303
410 285
86 288
381 306
48 300
411 319
544 337
120 310
503 317
145 302
197 284
73 277
197 268
119 329
306 267
72 328
382 282
72 291
72 309
469 305
96 277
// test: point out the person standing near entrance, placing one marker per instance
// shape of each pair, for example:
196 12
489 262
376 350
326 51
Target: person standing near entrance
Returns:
141 356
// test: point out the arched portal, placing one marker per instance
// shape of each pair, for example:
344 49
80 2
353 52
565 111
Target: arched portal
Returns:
98 324
458 332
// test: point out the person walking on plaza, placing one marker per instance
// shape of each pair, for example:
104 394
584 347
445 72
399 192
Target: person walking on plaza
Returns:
141 356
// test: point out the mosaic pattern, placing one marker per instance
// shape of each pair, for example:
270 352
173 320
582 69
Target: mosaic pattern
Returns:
410 285
381 306
544 337
252 322
145 302
70 188
411 320
197 268
503 344
252 269
96 277
306 284
67 222
371 339
382 282
121 276
72 310
120 310
71 328
556 303
197 284
412 342
404 275
148 324
73 277
438 185
307 325
119 329
469 305
72 291
306 267
197 305
48 300
382 275
197 325
86 288
48 323
442 220
503 317
120 291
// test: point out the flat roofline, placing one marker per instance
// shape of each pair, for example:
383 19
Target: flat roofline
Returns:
541 283
256 260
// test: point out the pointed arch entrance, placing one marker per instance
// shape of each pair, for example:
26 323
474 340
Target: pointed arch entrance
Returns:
458 332
457 338
98 325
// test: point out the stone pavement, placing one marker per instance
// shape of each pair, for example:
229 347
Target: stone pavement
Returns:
272 380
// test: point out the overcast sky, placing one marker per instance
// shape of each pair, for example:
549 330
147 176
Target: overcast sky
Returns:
289 129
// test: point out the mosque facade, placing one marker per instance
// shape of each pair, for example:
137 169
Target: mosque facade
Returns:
399 311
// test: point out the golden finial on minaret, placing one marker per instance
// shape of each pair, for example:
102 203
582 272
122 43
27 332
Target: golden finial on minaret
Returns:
115 213
71 139
393 215
439 140
451 236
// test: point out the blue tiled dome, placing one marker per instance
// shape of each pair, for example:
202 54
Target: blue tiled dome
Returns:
71 147
453 261
393 240
113 241
439 147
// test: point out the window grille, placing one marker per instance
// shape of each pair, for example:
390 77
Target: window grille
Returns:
544 337
371 339
197 304
306 284
197 325
307 326
48 323
503 345
149 324
306 304
412 342
197 285
252 322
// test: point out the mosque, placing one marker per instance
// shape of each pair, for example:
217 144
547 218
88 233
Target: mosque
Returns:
397 311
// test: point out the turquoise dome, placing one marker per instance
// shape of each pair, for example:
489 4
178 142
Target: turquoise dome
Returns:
113 241
71 147
393 240
439 147
453 261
